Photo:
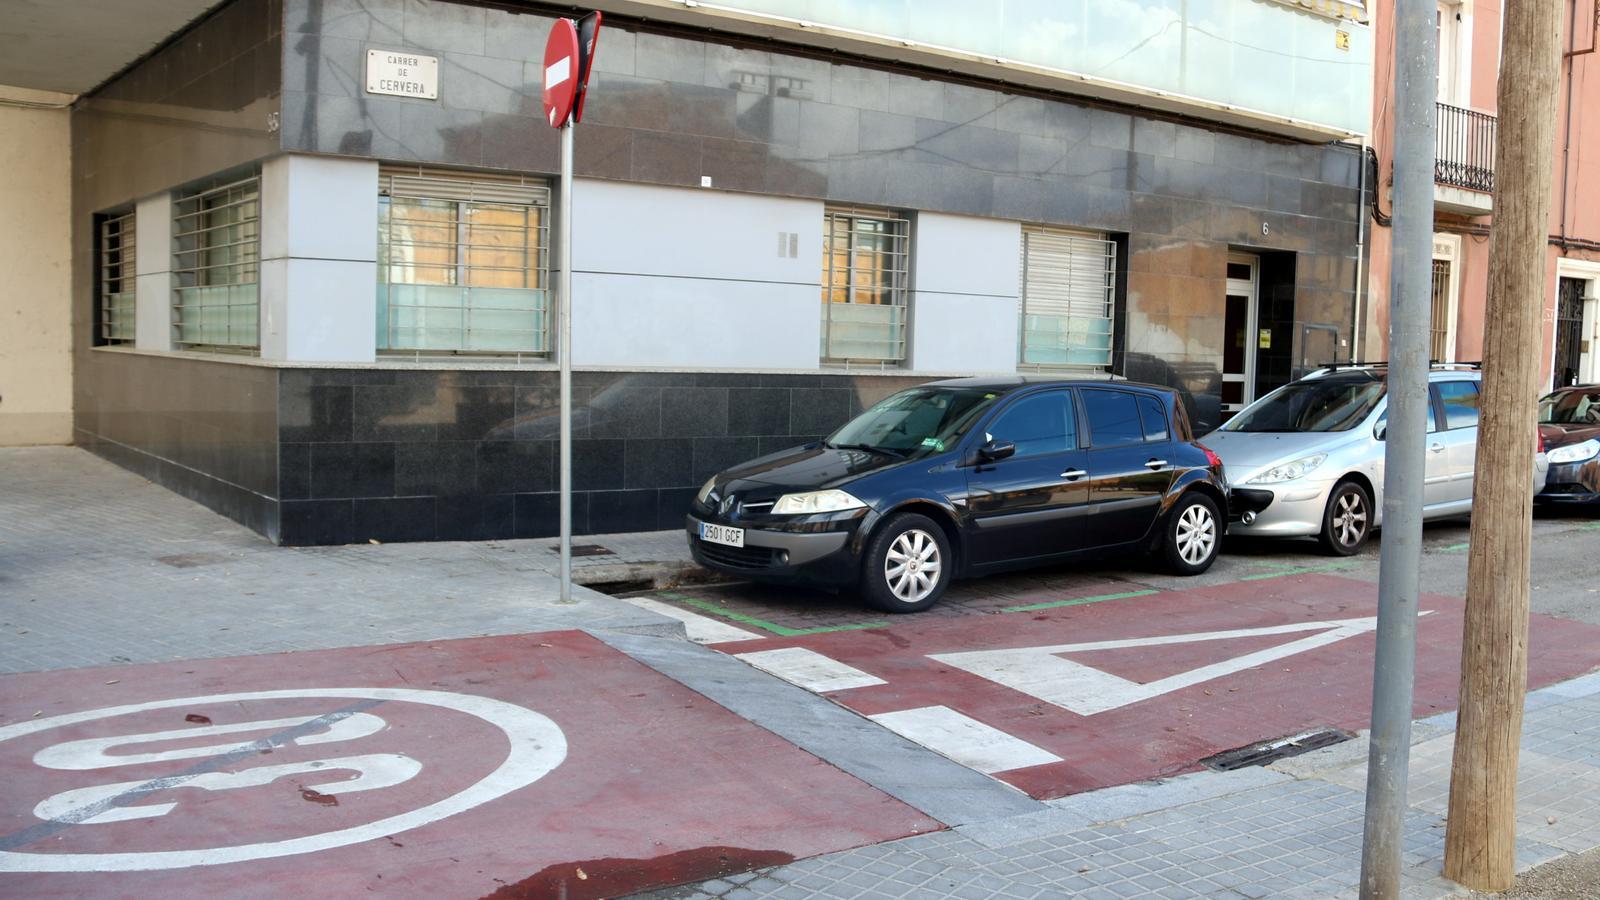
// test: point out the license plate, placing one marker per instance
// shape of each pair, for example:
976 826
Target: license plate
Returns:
721 534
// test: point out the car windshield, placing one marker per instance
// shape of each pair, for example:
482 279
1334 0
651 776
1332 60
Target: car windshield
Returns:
1316 405
1570 408
916 422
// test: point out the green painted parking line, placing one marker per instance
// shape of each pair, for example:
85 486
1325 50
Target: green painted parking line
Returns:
775 628
1298 570
1078 601
1456 548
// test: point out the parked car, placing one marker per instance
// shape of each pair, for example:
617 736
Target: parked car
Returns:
1307 459
966 477
1569 427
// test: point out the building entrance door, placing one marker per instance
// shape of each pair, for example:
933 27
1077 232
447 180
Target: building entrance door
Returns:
1569 330
1239 334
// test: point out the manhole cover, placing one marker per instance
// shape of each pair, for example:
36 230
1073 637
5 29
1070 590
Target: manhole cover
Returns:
1268 752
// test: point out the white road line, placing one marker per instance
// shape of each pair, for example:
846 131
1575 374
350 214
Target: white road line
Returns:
700 629
964 739
1040 672
809 669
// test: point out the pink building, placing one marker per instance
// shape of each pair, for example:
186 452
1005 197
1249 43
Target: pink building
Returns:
1469 58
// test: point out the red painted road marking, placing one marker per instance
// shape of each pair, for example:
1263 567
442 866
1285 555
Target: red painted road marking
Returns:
656 785
1326 681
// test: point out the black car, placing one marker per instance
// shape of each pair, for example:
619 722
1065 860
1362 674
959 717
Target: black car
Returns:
1569 429
965 477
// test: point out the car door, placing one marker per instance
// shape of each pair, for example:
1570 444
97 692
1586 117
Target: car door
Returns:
1435 471
1459 400
1129 474
1032 503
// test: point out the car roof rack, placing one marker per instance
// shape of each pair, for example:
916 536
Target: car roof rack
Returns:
1328 368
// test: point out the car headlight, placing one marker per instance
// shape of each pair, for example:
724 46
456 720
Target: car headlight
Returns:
1575 453
705 490
815 502
1289 471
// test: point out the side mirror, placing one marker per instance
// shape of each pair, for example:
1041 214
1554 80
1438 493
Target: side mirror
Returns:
994 451
1381 430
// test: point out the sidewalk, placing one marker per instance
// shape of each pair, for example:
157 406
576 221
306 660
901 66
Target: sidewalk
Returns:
1292 829
99 566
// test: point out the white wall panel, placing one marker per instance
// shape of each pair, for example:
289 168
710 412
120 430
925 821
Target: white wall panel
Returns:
319 250
964 309
966 255
696 278
152 316
963 333
694 233
624 320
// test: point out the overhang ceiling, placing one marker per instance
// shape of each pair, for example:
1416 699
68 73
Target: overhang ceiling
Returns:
71 46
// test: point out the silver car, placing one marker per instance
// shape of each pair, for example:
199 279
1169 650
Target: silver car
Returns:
1307 459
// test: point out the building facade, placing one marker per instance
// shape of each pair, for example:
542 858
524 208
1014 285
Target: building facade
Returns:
1469 61
325 309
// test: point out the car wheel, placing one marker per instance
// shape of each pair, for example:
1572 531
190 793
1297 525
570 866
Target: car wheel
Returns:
907 565
1347 522
1193 534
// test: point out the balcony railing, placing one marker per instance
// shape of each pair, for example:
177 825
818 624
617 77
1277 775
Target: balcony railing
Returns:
1465 155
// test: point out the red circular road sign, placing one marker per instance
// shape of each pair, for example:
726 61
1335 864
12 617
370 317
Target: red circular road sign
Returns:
560 72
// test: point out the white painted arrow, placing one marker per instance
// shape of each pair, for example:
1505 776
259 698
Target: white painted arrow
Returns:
1040 672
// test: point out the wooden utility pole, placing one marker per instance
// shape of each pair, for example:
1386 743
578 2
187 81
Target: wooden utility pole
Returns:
1480 836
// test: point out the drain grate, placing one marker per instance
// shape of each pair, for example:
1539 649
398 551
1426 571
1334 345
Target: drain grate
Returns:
1268 752
586 550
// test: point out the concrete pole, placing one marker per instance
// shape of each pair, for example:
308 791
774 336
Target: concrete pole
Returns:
1400 560
564 355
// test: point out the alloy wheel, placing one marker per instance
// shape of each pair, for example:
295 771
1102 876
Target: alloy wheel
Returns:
1197 534
912 565
1349 518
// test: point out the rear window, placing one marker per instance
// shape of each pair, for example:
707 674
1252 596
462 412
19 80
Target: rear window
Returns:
1113 418
1154 419
1460 403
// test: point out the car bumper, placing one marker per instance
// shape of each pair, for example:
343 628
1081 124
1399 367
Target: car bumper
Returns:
1294 509
1577 482
810 552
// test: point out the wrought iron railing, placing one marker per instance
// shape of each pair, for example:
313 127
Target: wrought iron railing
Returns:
1465 155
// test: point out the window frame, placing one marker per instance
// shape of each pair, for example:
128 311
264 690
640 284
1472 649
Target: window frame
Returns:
1108 243
466 191
899 288
193 263
108 303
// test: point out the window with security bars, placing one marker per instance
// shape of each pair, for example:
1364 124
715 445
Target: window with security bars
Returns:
463 264
1068 291
1439 349
116 284
865 286
216 234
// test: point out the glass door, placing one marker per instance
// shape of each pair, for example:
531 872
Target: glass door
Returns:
1240 337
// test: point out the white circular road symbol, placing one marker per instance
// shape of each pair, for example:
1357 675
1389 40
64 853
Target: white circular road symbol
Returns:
537 746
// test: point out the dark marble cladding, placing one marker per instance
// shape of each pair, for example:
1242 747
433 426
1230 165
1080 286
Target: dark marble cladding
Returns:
394 455
206 430
197 106
669 110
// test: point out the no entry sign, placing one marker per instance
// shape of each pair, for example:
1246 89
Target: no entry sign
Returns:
561 72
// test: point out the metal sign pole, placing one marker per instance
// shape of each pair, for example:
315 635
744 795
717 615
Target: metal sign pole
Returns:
1400 555
564 355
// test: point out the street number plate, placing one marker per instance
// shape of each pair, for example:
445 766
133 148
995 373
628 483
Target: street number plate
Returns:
721 534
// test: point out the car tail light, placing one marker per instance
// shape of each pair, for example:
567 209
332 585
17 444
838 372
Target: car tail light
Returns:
1539 435
1212 459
